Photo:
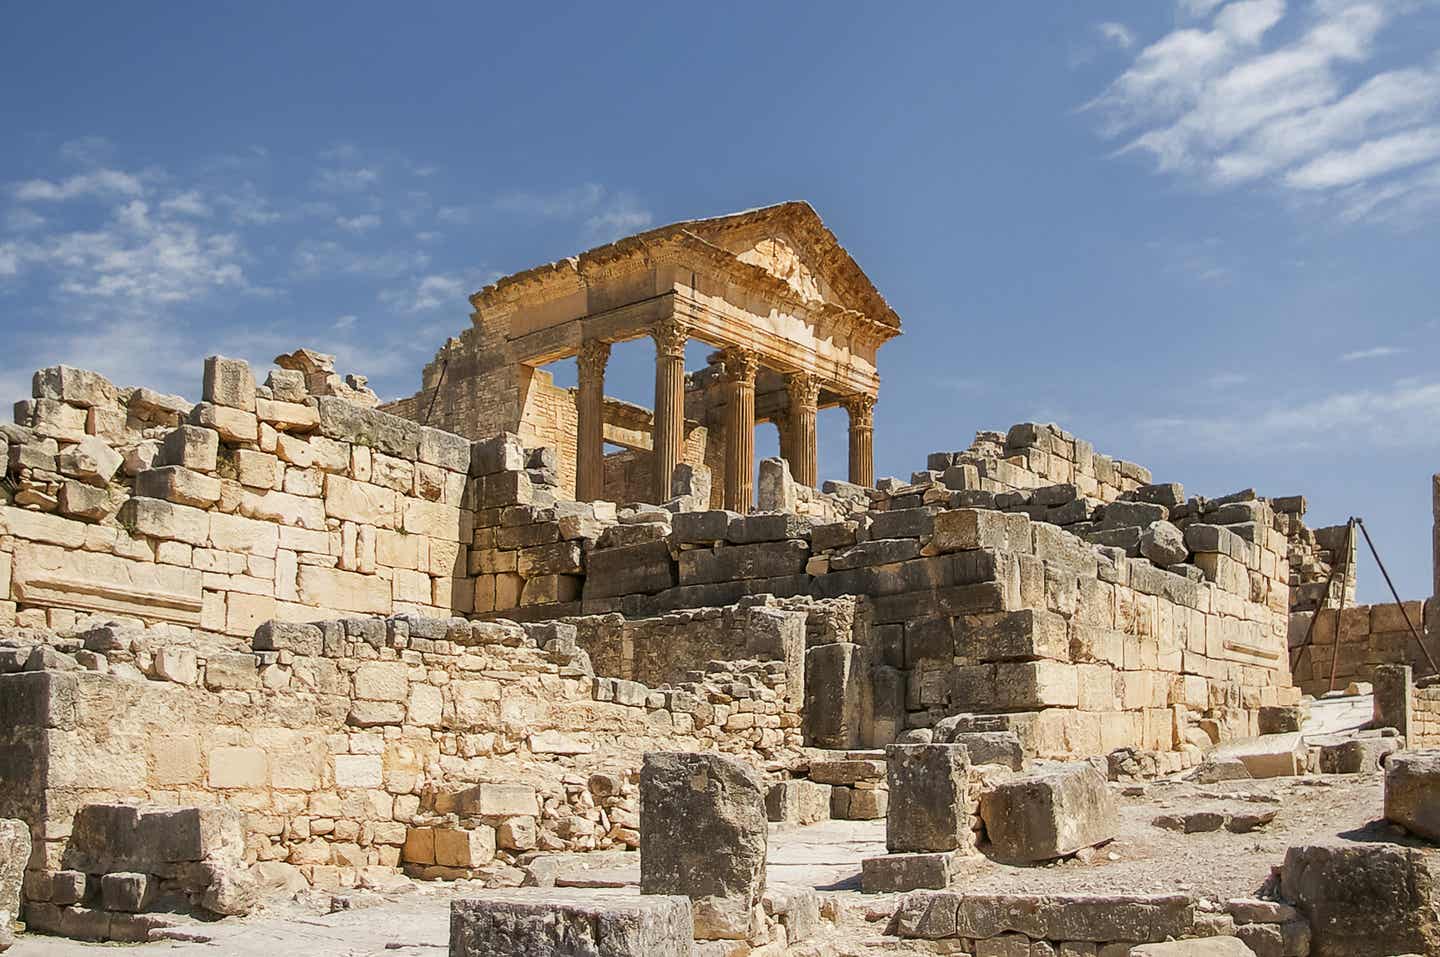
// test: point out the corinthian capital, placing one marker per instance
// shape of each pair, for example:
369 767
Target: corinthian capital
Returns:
804 390
594 354
670 336
862 410
740 365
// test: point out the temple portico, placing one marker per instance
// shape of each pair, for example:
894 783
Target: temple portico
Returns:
794 322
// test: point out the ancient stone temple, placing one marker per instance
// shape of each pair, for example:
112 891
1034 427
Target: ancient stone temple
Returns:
273 659
795 322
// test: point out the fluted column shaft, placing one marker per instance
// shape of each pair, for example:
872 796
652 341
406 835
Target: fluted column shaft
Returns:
590 440
670 336
804 392
862 439
740 368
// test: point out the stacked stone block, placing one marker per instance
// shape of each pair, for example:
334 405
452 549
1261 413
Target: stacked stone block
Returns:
266 501
1364 637
131 869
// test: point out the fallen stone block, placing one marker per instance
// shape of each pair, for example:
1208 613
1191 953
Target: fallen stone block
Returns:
899 873
1205 947
1356 756
797 908
1365 900
691 805
561 924
930 805
1280 719
1049 813
1412 793
985 747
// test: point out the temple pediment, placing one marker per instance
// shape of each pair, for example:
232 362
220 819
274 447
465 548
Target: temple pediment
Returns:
788 242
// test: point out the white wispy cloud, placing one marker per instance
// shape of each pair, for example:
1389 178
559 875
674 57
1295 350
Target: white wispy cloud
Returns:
315 258
1257 91
188 203
1376 352
22 220
358 224
136 259
1116 34
428 292
103 182
348 179
1361 418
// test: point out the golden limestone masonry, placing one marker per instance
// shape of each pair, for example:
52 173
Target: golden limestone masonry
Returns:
615 687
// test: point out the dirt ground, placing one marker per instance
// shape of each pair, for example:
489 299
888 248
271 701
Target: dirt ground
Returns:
1143 859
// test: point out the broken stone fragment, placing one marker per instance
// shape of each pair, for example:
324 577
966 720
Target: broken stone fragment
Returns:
90 460
1412 793
229 382
74 386
1163 544
1049 813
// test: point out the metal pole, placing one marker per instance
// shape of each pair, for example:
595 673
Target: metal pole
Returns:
1396 595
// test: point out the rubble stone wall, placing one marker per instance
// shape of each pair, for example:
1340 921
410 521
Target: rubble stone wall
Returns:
1425 717
1031 455
549 418
267 502
1366 636
336 739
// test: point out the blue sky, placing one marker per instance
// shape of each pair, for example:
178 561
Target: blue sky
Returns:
1200 233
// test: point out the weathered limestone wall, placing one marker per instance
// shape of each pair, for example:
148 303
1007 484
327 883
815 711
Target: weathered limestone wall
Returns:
337 739
1031 455
667 648
548 418
268 502
1366 636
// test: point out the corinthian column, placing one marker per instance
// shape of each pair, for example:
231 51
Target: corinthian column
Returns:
740 368
669 438
590 442
804 391
862 439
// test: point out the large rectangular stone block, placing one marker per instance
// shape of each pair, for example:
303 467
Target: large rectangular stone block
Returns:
565 923
930 801
634 569
1049 813
690 806
1412 792
739 562
835 675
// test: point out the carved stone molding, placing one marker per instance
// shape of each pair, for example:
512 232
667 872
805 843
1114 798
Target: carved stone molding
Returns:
592 357
670 336
741 365
804 390
861 409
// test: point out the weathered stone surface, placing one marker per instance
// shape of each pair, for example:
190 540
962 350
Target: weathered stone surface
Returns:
348 422
1204 947
1163 544
898 873
1068 917
190 446
797 802
1365 900
229 382
1356 756
74 386
108 838
738 562
691 804
985 747
90 460
835 675
14 855
635 569
1412 793
568 923
930 803
127 891
1049 813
